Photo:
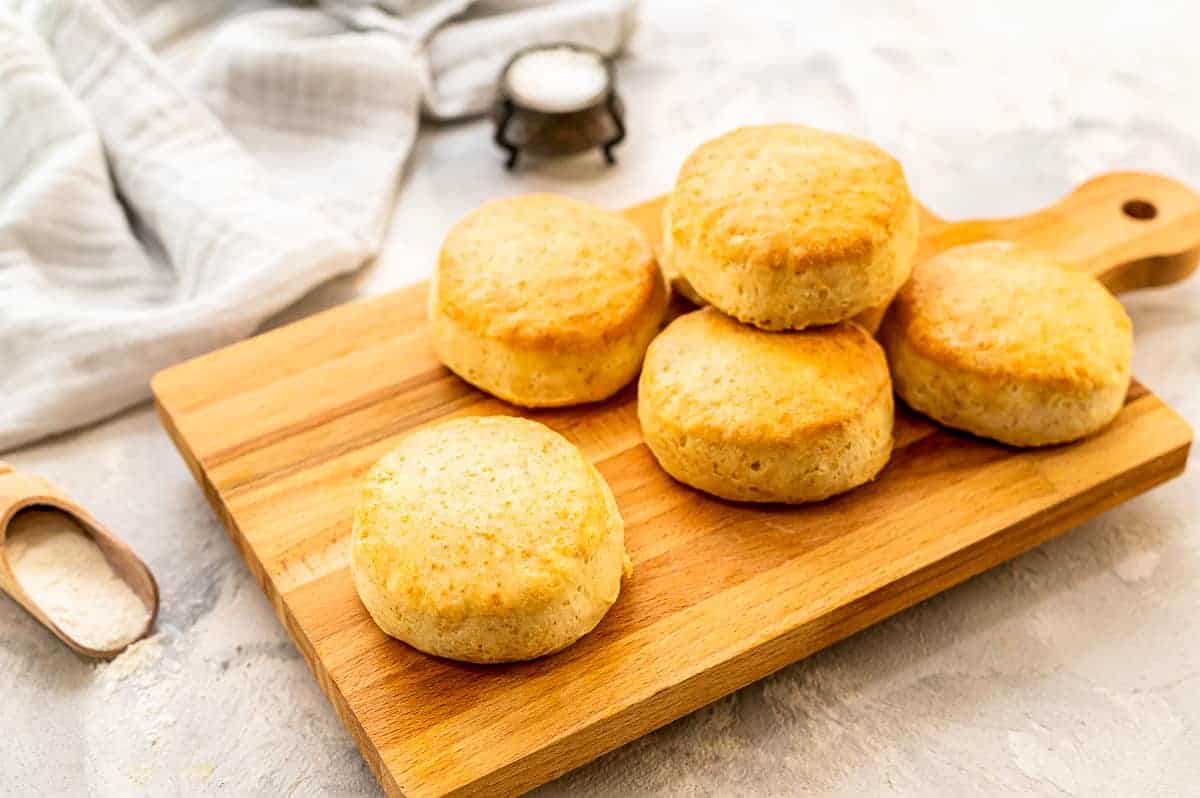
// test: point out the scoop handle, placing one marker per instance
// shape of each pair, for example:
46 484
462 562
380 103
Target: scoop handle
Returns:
1130 230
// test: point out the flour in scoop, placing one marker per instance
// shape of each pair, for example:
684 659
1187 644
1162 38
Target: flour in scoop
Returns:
59 566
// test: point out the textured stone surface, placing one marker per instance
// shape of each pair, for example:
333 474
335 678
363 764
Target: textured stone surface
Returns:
1073 670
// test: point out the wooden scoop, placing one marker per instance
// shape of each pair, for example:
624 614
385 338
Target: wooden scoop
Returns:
22 491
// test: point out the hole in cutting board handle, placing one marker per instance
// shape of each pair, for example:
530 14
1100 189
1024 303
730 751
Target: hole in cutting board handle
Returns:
1139 209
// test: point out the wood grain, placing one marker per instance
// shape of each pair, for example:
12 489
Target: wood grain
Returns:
279 430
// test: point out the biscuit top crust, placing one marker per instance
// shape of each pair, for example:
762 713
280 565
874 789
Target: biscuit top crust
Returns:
1003 310
710 376
481 516
542 270
787 197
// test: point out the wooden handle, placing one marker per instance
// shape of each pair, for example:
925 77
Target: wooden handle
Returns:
1130 229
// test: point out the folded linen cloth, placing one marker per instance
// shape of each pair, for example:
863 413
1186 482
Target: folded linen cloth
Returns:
173 173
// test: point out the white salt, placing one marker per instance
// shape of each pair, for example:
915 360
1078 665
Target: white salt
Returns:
557 79
63 570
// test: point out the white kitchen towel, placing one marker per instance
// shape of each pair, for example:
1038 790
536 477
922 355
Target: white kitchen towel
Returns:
173 173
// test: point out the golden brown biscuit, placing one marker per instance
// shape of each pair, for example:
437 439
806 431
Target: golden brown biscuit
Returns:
545 301
758 416
679 284
487 539
785 227
1004 342
868 319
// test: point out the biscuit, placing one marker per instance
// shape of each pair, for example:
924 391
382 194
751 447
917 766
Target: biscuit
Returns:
868 319
1003 342
675 279
786 227
487 539
757 416
545 301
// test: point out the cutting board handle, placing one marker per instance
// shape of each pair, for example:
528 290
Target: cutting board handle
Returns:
1130 229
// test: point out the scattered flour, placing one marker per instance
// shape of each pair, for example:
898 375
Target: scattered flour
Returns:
133 661
1137 566
1036 756
66 574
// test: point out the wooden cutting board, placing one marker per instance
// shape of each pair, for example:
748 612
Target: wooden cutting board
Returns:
279 429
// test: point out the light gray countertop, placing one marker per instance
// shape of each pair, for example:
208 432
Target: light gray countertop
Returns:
1073 670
